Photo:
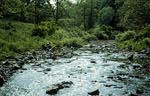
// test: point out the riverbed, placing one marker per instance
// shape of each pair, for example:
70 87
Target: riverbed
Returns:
96 66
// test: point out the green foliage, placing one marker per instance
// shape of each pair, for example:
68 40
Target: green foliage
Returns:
102 32
67 23
106 15
134 14
44 29
125 36
6 26
40 31
132 45
89 37
50 25
134 40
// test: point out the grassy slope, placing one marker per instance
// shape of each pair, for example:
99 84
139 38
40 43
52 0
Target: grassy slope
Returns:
16 37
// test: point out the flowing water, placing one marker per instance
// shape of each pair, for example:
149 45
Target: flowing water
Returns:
98 67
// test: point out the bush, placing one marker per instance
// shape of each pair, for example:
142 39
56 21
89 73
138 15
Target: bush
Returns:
125 36
146 41
99 33
6 26
132 40
89 37
131 45
51 26
40 31
45 28
106 15
67 23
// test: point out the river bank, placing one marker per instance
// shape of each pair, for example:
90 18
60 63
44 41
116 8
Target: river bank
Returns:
9 66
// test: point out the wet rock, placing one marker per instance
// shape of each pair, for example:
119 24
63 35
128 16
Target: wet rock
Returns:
94 93
55 88
122 73
133 94
146 51
46 46
102 82
16 67
2 80
7 63
136 66
52 91
92 61
48 69
141 56
130 57
110 77
119 87
110 85
139 91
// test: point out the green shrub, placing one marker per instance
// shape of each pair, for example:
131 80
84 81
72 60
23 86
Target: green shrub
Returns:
67 23
51 26
125 36
40 31
131 45
6 25
100 34
106 15
146 41
89 37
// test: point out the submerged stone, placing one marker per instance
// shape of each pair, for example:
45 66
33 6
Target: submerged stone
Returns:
56 87
2 80
96 92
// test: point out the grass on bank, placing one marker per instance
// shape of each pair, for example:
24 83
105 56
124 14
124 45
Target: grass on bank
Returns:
18 37
134 40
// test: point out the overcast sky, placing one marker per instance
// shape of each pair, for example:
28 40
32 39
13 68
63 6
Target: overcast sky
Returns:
53 1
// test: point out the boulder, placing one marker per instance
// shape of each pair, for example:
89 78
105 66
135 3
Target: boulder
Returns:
2 80
92 61
55 88
16 67
94 93
131 57
133 94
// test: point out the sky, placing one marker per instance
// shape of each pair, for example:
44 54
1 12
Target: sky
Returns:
53 1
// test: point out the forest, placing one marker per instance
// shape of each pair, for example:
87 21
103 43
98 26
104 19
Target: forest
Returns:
60 27
27 24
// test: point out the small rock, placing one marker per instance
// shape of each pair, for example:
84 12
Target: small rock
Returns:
2 80
52 91
139 91
93 61
48 69
16 67
109 85
96 92
130 57
133 94
136 66
59 86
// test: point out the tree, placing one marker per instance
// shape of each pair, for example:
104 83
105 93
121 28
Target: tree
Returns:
106 15
134 14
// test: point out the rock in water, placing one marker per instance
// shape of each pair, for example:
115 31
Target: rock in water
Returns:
130 57
55 88
2 80
94 93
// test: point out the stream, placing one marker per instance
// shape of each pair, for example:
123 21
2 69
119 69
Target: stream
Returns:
96 66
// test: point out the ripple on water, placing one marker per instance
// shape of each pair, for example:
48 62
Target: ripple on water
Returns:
111 77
